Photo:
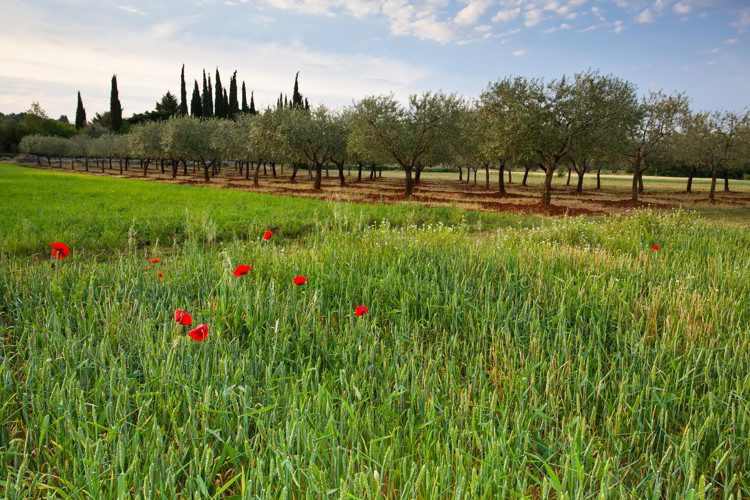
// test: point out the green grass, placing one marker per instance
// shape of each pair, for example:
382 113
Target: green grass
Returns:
562 358
94 212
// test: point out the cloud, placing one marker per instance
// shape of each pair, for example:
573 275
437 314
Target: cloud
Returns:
682 8
50 65
645 17
506 15
710 51
473 11
131 10
618 27
520 52
532 17
732 41
660 5
563 26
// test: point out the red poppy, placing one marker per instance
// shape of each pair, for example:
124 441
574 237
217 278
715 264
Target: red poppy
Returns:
655 247
59 250
267 235
155 260
183 318
160 275
199 333
299 280
361 310
241 270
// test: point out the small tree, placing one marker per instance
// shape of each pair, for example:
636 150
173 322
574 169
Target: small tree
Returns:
658 117
80 113
115 108
188 137
406 135
309 136
183 93
196 107
145 143
234 107
245 108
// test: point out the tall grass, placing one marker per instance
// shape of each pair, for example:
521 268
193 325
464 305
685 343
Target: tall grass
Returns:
567 359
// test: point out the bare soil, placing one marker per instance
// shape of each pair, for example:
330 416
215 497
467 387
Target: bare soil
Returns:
434 192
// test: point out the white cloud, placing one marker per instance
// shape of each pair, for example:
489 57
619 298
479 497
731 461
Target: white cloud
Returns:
645 17
563 26
682 8
710 51
506 15
660 4
131 10
50 65
732 41
520 52
618 27
473 11
532 17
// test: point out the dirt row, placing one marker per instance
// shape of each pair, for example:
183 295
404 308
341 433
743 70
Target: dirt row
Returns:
432 192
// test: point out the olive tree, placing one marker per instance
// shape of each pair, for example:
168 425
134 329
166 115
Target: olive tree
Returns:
188 137
145 143
309 135
609 106
406 135
723 144
658 117
31 145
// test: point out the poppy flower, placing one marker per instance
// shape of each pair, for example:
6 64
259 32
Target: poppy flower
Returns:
241 270
155 260
267 235
160 275
655 247
299 280
361 310
183 318
59 250
199 333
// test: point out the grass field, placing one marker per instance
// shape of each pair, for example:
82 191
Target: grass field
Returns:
443 189
504 355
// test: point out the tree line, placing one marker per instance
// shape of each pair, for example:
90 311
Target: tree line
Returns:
579 123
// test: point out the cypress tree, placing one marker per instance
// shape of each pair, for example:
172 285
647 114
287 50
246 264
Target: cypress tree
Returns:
195 103
225 103
80 114
286 102
115 108
307 105
183 93
211 108
296 96
206 107
252 104
234 106
280 101
220 112
245 109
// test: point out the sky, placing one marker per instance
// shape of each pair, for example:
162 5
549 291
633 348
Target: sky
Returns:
347 49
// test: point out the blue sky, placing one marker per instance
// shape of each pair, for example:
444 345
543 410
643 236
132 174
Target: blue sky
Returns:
345 50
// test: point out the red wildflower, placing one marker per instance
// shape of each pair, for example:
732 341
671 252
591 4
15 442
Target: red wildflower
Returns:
299 280
183 318
155 260
59 250
655 247
199 333
160 275
267 235
361 310
241 270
